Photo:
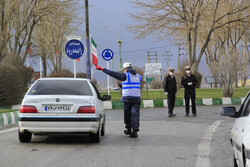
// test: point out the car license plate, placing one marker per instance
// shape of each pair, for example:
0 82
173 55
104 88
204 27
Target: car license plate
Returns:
57 108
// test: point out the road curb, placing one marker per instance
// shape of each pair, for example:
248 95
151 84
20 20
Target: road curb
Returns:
12 117
178 102
8 118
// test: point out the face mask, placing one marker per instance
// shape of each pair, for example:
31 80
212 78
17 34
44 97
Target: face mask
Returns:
171 73
188 72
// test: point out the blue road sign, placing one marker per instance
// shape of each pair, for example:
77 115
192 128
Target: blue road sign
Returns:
74 49
107 54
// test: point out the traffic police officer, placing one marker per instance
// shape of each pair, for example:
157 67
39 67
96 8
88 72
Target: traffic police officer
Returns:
189 82
131 97
170 90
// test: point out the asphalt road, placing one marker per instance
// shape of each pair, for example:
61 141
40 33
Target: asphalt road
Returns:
163 142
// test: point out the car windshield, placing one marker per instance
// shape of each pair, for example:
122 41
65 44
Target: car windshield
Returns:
61 87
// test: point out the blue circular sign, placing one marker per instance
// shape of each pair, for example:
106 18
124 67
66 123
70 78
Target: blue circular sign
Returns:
74 49
107 54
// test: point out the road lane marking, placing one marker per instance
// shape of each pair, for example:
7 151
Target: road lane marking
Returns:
8 130
203 159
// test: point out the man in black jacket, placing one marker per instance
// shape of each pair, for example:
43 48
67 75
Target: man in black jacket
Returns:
189 82
170 90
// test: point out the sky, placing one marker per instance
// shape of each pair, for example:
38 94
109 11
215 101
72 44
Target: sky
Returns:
107 21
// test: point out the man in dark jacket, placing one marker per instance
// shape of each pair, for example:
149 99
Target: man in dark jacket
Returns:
189 82
170 90
131 97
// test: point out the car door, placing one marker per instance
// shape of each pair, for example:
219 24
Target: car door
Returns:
99 103
238 130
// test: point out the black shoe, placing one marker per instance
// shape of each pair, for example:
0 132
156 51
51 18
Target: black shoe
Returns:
187 115
194 114
133 134
171 115
128 132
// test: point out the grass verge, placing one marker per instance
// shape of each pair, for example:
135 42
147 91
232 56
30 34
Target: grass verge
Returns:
200 93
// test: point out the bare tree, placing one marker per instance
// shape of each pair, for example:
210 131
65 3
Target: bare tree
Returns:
50 35
18 20
165 18
226 38
230 67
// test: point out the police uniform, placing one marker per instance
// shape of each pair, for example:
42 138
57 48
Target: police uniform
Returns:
131 97
189 91
170 87
131 88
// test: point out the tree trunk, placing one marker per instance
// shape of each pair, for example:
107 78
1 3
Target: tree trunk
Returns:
44 66
189 40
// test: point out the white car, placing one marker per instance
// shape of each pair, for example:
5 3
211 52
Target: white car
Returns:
62 105
240 133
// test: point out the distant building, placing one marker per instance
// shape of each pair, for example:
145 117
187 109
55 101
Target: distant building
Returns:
247 83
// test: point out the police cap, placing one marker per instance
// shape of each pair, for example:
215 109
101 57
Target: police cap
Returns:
171 69
187 68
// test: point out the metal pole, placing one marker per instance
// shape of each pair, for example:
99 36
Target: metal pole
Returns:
119 45
74 68
88 64
161 86
179 64
167 60
112 77
147 87
41 75
28 61
108 78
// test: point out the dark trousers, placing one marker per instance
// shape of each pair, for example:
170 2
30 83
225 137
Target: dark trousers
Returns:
171 101
132 115
190 92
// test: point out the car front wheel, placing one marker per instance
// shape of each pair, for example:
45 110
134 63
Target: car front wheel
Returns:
24 137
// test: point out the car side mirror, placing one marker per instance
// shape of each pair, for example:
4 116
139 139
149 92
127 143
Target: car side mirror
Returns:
228 111
106 97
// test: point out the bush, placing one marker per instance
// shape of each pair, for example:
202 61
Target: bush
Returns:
64 73
26 74
12 85
14 60
155 85
181 72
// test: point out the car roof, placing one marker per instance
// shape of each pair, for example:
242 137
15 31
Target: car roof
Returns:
79 79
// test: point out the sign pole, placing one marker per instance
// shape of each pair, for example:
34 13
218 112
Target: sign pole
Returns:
161 86
107 54
147 87
74 68
108 78
28 61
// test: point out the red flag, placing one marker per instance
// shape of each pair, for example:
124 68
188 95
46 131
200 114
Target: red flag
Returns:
94 52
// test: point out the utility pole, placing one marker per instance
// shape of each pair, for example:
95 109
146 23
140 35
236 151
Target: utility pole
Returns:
179 56
152 54
167 57
88 63
167 60
179 59
120 45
